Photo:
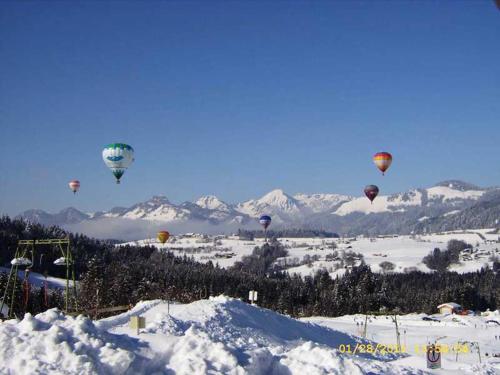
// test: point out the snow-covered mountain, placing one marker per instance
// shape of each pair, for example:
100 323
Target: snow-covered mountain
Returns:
281 206
388 203
211 202
413 210
68 215
322 202
157 208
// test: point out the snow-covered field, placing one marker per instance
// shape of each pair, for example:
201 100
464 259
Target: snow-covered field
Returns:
228 336
39 279
451 331
405 252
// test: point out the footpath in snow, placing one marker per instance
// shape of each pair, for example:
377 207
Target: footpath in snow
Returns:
216 336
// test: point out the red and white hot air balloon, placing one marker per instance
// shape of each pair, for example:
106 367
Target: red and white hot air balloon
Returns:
74 185
383 161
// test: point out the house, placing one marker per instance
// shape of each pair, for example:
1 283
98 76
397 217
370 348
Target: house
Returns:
449 308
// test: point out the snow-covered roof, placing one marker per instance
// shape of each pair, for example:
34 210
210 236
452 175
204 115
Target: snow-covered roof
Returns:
453 305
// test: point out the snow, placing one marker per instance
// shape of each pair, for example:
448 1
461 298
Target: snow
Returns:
273 203
38 279
469 236
405 252
383 203
450 304
417 333
20 262
227 336
211 202
448 193
52 343
164 212
321 202
284 208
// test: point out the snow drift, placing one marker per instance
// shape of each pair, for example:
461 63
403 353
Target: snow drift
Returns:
220 335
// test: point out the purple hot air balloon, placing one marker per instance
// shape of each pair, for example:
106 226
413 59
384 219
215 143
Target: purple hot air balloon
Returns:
371 192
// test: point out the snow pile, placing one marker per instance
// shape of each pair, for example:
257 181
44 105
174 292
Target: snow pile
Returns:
216 336
224 335
52 343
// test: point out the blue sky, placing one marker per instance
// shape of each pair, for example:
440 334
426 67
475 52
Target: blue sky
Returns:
237 98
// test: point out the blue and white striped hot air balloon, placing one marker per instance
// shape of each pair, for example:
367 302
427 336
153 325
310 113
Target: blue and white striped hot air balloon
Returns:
118 157
265 221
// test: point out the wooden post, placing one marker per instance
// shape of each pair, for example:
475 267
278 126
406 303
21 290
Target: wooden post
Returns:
96 303
397 331
364 328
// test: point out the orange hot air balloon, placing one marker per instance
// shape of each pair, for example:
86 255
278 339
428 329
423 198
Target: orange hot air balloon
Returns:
382 160
163 236
74 185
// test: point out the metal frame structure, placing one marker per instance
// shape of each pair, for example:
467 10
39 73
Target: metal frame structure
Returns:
26 249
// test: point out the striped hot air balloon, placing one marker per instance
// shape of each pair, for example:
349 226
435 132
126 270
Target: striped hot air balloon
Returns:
382 160
265 221
74 185
163 236
118 157
371 192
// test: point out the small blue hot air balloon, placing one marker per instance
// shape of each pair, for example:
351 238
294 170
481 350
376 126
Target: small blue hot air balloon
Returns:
265 221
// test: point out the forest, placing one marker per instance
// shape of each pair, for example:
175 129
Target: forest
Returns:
111 276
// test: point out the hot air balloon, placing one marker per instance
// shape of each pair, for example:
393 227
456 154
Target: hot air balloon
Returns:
163 236
371 191
74 185
265 221
382 160
118 157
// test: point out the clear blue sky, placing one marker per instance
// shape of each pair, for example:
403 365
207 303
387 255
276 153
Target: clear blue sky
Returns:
238 98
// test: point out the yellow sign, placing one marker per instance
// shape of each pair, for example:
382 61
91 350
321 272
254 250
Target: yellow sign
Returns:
137 322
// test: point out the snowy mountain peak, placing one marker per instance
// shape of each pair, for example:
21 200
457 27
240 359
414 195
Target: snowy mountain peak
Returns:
277 197
158 200
211 202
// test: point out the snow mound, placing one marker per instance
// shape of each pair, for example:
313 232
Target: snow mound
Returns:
217 336
225 335
52 343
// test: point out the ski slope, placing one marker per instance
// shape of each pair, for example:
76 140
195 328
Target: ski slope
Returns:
220 336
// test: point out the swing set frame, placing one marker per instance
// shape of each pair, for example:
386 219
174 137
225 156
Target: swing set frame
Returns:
27 249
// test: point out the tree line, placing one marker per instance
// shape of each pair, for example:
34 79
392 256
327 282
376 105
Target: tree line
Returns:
111 276
286 233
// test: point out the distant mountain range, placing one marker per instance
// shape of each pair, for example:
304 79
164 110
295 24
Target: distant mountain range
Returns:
449 205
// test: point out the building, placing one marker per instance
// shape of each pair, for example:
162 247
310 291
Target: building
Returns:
449 308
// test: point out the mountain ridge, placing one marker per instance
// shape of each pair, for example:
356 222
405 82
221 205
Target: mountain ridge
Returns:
404 212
